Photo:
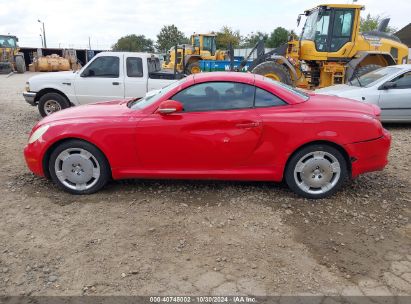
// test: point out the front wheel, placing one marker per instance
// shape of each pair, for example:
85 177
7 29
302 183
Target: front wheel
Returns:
193 68
52 102
78 167
316 171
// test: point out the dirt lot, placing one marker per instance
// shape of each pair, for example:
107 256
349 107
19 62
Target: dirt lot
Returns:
198 238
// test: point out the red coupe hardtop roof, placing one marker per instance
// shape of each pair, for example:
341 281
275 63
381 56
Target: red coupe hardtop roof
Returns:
224 76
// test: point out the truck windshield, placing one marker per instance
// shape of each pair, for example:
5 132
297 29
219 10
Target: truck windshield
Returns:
368 80
7 42
152 96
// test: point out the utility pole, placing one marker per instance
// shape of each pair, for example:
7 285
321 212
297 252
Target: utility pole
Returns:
89 43
44 33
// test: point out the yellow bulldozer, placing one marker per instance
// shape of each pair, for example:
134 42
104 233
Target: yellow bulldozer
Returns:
185 58
11 60
331 50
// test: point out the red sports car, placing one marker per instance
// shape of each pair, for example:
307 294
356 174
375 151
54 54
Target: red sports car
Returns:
232 126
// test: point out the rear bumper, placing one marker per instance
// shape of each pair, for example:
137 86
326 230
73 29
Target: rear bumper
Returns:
30 97
370 155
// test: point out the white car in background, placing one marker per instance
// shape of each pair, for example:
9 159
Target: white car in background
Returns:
388 87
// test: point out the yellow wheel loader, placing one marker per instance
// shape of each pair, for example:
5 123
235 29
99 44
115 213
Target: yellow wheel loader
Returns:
185 58
11 60
331 50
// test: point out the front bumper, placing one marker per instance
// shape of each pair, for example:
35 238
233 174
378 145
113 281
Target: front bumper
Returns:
370 155
33 154
30 97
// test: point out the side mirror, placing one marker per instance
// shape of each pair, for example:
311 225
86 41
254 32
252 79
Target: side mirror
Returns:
88 73
298 20
388 85
170 106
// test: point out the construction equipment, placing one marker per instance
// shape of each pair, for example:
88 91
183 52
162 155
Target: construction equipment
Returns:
187 56
331 50
11 60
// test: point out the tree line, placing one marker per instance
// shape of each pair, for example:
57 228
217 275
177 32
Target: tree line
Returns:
170 35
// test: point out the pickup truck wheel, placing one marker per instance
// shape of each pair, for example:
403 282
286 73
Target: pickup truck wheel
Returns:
52 102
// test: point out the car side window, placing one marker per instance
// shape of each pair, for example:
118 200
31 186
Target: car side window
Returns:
105 67
267 99
134 67
215 96
403 81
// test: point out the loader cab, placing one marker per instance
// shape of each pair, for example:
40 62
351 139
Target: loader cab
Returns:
204 43
8 41
330 27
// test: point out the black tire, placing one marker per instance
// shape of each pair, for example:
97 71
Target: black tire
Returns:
191 66
359 71
272 67
98 158
54 98
336 181
20 64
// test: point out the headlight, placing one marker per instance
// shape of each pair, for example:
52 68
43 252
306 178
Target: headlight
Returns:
27 86
38 133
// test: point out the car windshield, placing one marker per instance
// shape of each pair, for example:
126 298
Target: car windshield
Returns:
367 80
152 96
290 89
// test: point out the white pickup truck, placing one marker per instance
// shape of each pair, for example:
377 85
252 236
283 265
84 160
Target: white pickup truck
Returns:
108 76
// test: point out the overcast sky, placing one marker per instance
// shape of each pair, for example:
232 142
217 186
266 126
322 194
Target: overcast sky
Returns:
70 23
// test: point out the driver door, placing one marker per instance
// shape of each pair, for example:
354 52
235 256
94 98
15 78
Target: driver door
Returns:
101 80
218 130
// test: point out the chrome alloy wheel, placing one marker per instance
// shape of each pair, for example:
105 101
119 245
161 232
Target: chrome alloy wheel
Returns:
51 106
77 169
317 172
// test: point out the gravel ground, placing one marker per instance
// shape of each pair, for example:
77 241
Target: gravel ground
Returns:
198 238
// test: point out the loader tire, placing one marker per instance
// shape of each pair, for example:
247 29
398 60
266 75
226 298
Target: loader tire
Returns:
20 64
273 70
193 68
359 71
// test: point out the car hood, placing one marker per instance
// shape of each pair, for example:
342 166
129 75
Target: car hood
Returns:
339 104
338 89
107 109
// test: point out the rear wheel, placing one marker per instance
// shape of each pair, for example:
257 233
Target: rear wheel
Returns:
316 171
193 68
20 64
359 71
273 70
79 167
52 102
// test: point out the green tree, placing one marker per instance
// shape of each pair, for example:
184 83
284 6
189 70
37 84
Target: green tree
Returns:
251 39
134 43
226 36
277 37
370 23
168 37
